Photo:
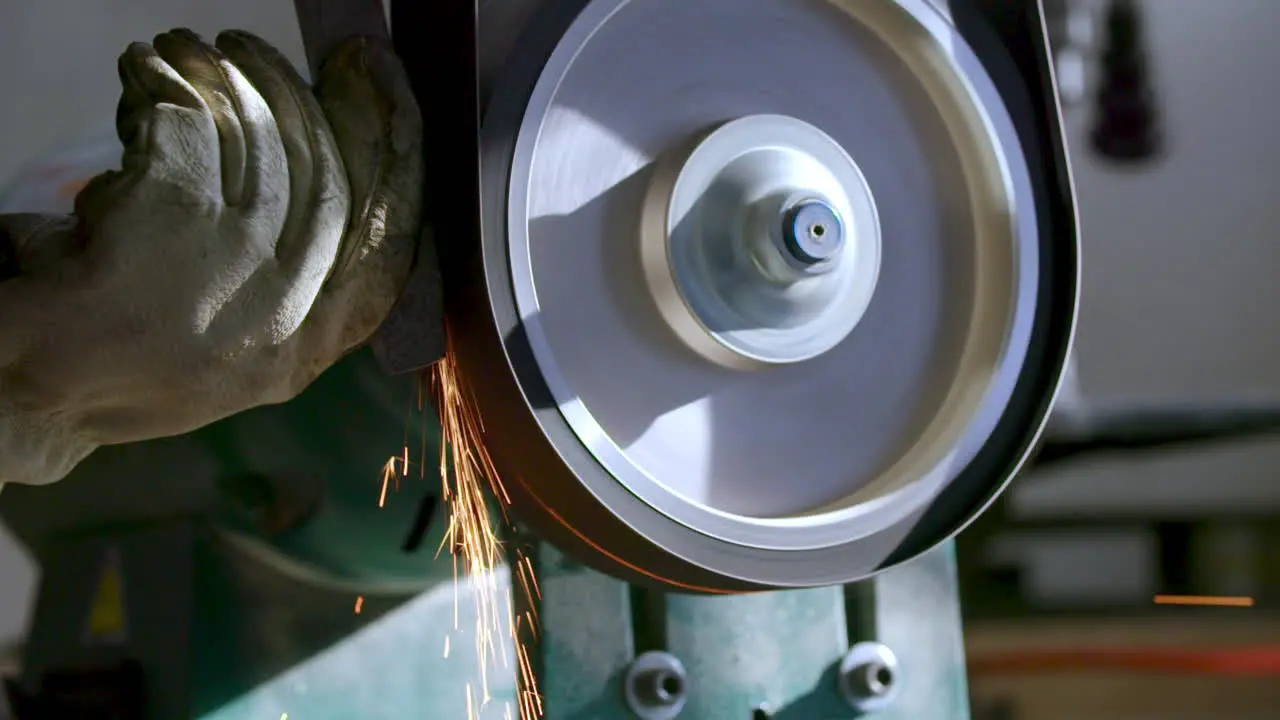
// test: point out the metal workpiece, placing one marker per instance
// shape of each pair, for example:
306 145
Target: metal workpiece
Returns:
659 325
656 686
413 335
869 677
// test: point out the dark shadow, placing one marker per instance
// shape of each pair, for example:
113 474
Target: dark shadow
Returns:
427 509
250 625
604 706
822 701
901 385
115 690
9 267
339 434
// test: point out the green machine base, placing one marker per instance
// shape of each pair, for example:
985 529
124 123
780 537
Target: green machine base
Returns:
231 638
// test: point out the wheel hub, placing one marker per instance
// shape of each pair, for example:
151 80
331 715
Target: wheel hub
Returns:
762 245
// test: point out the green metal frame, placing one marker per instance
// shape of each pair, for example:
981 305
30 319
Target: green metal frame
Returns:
232 639
223 635
748 657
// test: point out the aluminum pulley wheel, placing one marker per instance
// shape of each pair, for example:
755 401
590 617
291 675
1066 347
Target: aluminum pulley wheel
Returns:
763 285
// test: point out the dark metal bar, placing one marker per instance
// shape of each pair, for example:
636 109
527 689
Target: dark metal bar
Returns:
439 47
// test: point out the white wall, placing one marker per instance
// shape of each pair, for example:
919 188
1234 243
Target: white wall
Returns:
1182 261
58 58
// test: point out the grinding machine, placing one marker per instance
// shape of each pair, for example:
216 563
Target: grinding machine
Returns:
758 302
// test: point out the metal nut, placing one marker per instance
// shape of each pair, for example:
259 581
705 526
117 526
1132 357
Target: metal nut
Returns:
655 686
869 677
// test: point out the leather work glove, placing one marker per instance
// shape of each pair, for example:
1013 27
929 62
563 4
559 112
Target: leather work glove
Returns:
255 234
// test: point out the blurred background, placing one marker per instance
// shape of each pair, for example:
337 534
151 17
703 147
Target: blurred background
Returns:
1171 115
1171 127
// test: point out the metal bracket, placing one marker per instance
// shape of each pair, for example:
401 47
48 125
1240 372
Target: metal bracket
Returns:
784 664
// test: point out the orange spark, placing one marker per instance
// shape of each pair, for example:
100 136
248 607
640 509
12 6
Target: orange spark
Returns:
388 472
1208 600
468 478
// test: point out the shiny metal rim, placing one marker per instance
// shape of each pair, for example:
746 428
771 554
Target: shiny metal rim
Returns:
844 555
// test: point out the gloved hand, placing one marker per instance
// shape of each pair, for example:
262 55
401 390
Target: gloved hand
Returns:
255 234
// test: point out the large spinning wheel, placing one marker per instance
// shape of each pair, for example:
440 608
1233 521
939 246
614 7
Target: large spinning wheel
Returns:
769 295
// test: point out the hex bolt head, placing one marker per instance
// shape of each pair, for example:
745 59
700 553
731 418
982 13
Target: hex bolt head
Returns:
869 677
812 232
655 686
660 687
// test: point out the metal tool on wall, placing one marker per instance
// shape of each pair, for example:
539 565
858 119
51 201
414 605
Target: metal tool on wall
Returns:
1126 127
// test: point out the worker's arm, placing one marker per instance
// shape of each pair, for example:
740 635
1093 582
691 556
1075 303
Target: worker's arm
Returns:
255 234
